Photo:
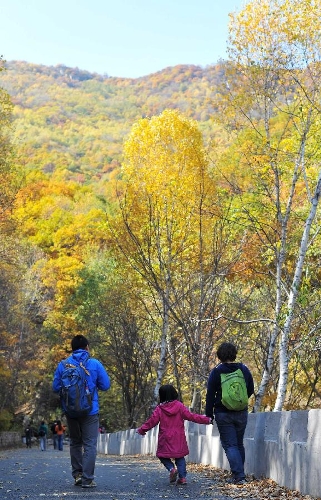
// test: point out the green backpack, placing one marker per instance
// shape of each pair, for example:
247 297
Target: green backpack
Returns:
234 390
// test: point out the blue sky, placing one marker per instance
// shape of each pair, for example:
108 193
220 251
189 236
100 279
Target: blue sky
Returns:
125 38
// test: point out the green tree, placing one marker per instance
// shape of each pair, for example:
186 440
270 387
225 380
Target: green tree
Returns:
171 233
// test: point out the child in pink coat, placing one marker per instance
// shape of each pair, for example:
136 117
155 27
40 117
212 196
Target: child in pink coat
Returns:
172 444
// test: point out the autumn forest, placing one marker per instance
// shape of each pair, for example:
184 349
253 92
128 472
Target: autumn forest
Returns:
162 215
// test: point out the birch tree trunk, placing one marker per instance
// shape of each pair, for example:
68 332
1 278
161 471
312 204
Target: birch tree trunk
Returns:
162 355
284 341
280 259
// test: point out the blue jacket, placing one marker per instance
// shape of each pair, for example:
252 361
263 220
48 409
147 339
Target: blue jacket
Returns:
98 376
214 390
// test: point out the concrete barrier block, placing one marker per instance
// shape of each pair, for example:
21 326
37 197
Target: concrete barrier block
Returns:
218 458
297 470
10 439
254 462
312 485
202 429
114 444
314 429
299 426
272 425
271 460
250 428
249 465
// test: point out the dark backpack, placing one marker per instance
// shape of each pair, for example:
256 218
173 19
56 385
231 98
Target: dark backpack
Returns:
75 395
234 390
41 433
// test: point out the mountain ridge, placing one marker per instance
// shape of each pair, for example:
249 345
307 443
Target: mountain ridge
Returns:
69 70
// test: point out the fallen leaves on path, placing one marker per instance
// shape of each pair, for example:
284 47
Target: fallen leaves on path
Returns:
254 489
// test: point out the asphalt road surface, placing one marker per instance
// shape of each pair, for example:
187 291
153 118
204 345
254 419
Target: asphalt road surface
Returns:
32 474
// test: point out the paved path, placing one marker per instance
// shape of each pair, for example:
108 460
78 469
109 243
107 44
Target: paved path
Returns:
32 474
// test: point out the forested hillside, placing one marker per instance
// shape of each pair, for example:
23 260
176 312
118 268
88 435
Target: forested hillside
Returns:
72 124
162 215
68 131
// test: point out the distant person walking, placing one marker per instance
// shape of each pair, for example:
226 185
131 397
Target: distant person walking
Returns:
231 423
42 433
170 414
28 434
83 430
60 431
54 435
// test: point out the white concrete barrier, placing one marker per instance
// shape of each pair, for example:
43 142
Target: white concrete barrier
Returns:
10 439
283 446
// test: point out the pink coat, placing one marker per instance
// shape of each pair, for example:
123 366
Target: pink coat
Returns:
171 436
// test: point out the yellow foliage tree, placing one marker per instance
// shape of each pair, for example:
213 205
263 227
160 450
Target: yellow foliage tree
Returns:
170 234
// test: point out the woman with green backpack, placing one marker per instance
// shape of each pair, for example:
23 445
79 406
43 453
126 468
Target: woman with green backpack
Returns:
229 386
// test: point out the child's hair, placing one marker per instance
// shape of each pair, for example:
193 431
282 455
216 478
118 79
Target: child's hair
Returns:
167 393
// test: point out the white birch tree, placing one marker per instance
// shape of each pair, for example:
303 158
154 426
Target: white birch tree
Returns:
273 86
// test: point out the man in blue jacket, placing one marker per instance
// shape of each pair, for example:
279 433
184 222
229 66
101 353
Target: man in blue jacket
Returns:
83 431
231 424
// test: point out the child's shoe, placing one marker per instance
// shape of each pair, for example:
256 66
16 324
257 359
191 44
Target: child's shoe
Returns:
173 475
181 481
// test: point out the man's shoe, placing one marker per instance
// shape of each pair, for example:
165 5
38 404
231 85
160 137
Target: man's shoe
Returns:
181 481
92 484
78 480
173 475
